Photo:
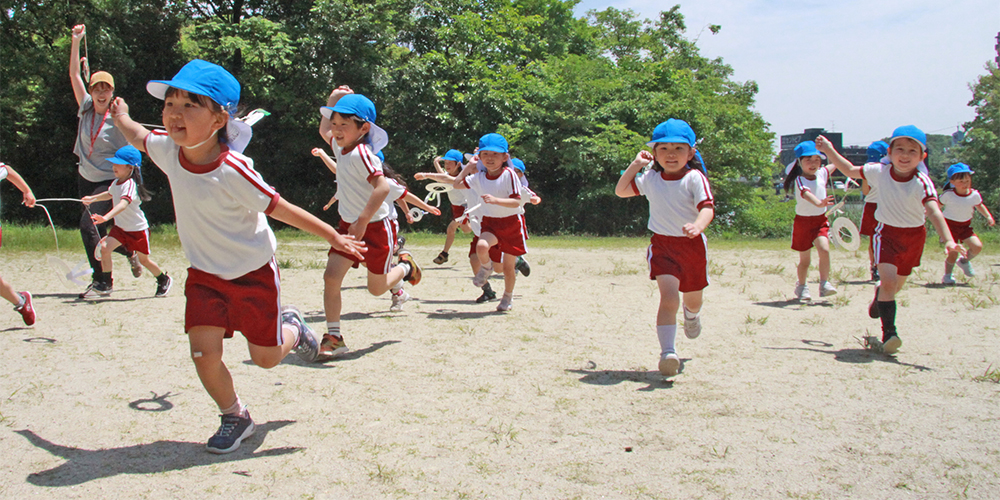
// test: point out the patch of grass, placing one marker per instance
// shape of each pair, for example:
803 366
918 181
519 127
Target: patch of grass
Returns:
840 300
760 321
814 321
502 433
990 375
772 269
622 268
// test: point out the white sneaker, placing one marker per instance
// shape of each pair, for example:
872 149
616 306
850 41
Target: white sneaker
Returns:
966 266
482 276
399 300
826 289
506 303
948 279
802 292
692 327
670 363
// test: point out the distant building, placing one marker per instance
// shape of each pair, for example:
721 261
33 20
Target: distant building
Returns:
857 155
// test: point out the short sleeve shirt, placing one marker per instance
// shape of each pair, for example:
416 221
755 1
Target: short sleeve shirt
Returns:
220 209
132 218
504 185
900 200
817 187
355 170
97 139
674 200
960 208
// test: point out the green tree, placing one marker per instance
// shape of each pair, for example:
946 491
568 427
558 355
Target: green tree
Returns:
981 149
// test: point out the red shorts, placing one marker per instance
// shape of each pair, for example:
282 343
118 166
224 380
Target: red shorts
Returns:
457 211
807 228
133 241
899 246
249 304
380 237
510 232
681 257
960 231
868 221
495 254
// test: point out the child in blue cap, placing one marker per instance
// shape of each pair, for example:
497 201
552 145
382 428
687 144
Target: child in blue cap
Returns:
221 205
21 300
876 151
680 208
905 197
527 196
348 126
448 167
960 203
130 229
808 177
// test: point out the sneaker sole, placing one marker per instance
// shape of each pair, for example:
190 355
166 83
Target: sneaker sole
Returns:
415 273
892 345
246 434
828 294
333 354
165 292
669 366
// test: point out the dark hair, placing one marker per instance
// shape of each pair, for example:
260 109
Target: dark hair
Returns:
391 173
357 121
961 175
140 188
206 102
793 174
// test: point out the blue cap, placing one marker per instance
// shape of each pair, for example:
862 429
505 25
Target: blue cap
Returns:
129 155
352 104
493 142
381 156
202 78
454 155
517 163
877 150
704 168
807 148
910 132
959 168
673 130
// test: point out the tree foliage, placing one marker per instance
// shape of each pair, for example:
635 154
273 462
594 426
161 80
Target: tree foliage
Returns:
576 97
981 149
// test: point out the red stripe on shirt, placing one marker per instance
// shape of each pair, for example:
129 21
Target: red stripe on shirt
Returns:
250 175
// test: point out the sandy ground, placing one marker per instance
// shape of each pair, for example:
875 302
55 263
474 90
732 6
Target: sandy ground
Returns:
558 398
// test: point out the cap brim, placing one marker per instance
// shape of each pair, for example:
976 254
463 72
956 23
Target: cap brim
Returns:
326 111
158 88
119 161
914 139
495 149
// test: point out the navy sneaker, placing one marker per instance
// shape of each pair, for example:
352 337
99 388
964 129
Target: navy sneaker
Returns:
307 345
231 433
522 266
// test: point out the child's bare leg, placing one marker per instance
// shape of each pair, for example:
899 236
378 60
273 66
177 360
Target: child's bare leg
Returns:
153 267
871 252
891 284
509 273
670 299
8 292
823 253
206 352
108 245
270 356
333 279
449 238
693 301
486 240
802 270
381 283
973 245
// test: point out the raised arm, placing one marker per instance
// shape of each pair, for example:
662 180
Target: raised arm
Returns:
134 133
847 168
468 170
624 187
437 165
75 78
325 127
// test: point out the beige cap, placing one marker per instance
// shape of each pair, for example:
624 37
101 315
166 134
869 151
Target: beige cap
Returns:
102 76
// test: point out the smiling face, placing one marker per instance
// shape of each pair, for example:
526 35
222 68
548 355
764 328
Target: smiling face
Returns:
810 164
962 182
452 167
190 119
672 156
346 130
906 154
492 160
102 94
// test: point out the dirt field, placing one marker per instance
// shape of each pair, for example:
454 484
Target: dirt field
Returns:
558 398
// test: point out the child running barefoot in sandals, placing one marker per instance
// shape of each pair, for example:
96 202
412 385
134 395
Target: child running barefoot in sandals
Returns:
960 203
812 229
130 229
680 208
21 300
221 204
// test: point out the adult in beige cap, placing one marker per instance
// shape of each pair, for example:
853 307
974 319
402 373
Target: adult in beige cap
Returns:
97 139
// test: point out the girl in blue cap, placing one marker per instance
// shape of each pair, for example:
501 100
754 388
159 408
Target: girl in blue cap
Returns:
960 203
130 229
809 177
905 197
452 161
680 208
221 204
21 300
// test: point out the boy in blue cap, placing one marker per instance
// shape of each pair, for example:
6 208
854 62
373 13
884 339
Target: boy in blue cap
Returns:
960 202
905 197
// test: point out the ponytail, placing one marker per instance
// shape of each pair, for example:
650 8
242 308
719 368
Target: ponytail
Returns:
141 190
793 174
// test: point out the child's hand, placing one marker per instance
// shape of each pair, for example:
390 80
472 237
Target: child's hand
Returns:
317 152
691 230
535 200
951 248
87 200
78 32
118 107
435 211
419 176
829 201
824 145
409 217
98 219
347 244
29 200
990 221
489 198
357 231
643 156
329 204
340 91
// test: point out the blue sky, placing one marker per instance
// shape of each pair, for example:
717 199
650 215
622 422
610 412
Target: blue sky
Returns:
857 67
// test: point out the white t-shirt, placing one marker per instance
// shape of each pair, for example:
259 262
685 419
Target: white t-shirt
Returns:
132 218
97 139
220 209
458 198
504 185
817 187
3 171
396 191
960 208
673 200
900 200
355 170
872 196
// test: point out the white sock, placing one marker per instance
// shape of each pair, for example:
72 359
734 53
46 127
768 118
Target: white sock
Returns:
406 268
333 328
21 301
667 334
237 408
690 315
396 288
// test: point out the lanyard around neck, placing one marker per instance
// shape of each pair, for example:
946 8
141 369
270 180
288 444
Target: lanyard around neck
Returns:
94 133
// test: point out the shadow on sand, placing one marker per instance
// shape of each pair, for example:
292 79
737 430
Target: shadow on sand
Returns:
855 355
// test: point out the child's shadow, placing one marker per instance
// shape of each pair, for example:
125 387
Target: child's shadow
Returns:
943 286
855 355
615 377
782 304
82 465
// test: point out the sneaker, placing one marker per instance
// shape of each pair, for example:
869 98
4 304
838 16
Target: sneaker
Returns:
441 258
948 279
163 284
826 289
231 433
692 327
966 266
488 294
27 310
400 241
97 289
875 276
522 266
802 292
413 277
133 260
307 345
482 276
892 345
331 346
670 364
398 300
873 311
506 303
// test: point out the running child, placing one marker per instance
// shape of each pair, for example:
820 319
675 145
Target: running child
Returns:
527 196
221 205
502 226
905 197
348 126
876 151
809 177
453 163
21 300
680 208
960 203
130 228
